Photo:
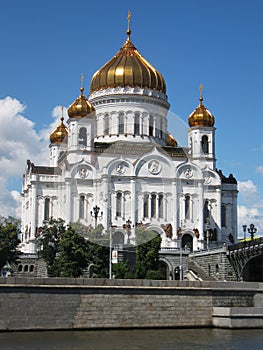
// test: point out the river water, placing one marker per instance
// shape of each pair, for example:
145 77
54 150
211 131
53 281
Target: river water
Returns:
166 339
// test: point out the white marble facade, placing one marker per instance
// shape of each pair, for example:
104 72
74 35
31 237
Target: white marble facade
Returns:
118 158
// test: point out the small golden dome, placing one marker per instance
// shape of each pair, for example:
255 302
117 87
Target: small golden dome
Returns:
81 107
59 134
201 116
170 140
128 68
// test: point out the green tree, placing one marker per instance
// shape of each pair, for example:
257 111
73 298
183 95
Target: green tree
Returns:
121 270
73 254
48 243
65 251
100 252
9 241
148 245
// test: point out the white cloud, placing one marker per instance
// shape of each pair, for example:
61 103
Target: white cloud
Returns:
10 201
247 216
19 141
251 209
259 169
247 187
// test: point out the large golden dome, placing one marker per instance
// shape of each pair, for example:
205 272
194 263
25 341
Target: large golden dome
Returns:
59 134
201 116
81 107
128 68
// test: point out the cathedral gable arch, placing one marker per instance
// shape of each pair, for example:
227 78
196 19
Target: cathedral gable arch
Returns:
154 164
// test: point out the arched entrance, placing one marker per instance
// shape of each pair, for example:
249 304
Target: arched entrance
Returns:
164 269
187 241
118 238
253 270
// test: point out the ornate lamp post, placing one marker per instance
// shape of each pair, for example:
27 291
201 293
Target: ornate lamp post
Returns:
95 214
245 230
252 230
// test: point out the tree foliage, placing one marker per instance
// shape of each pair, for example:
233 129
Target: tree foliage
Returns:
9 241
148 245
100 252
65 251
68 254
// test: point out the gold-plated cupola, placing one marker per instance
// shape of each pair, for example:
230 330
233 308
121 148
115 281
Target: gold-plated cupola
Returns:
201 116
128 68
60 133
81 107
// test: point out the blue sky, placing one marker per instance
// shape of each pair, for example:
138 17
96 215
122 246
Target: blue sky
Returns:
46 45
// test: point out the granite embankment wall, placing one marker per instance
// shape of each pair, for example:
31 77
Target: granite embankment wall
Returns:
48 304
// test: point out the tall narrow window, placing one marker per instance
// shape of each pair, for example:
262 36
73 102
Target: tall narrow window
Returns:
47 209
206 211
81 206
137 124
146 206
160 204
118 204
187 207
106 124
153 206
161 128
83 136
223 215
151 125
121 124
205 144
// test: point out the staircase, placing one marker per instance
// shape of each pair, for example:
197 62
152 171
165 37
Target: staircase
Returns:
199 272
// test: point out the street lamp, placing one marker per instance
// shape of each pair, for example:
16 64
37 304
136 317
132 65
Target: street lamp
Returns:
95 214
245 230
252 230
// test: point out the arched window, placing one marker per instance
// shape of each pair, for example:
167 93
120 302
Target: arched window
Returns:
47 209
160 204
20 268
31 269
81 206
106 124
121 124
151 122
137 124
26 268
146 206
205 144
187 207
223 215
206 211
83 136
153 206
118 204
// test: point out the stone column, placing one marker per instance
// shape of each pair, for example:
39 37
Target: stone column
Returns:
34 210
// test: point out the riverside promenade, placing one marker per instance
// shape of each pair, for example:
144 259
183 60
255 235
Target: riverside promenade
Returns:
67 304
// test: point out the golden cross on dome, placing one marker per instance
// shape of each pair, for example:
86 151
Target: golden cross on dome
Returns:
62 112
129 24
201 90
82 81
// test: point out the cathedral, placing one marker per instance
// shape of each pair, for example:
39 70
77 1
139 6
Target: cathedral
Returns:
113 162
